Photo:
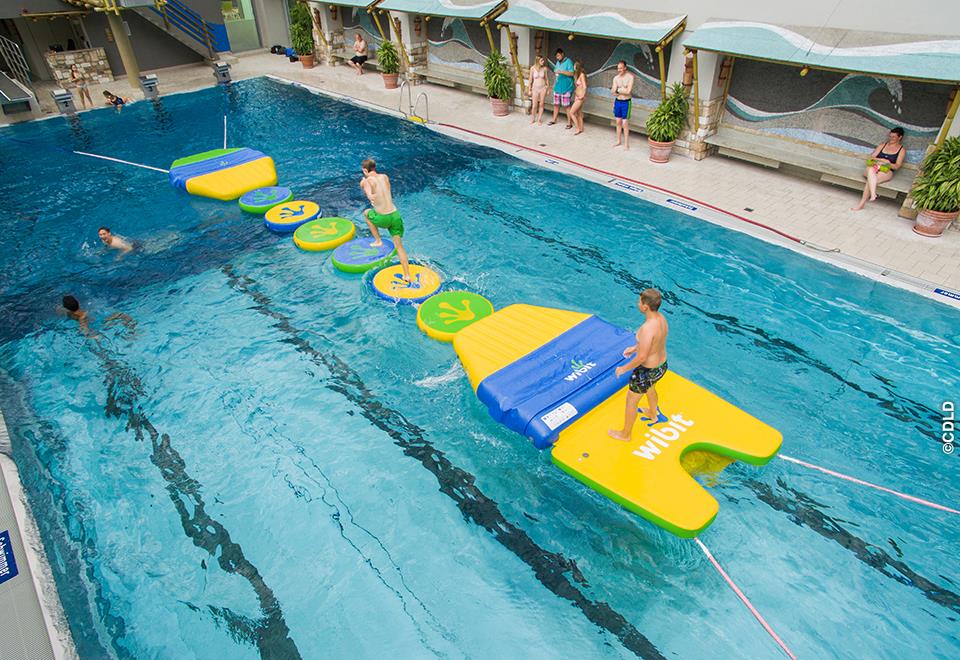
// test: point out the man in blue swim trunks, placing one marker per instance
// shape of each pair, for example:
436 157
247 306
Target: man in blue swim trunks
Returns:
384 214
562 87
622 90
649 362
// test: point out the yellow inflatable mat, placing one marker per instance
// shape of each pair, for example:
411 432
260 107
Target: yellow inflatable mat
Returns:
548 374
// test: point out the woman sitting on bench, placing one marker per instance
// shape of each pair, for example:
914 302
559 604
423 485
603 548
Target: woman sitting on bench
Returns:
886 159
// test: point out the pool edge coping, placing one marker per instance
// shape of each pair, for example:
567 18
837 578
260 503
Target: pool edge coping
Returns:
44 586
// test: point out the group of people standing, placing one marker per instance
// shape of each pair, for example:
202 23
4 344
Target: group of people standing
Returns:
570 93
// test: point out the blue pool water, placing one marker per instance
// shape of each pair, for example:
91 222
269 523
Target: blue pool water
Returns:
267 460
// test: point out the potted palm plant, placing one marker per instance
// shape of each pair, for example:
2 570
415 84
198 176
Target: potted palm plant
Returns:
499 84
389 63
301 34
936 190
665 123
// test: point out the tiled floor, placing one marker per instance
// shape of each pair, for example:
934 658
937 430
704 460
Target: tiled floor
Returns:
812 211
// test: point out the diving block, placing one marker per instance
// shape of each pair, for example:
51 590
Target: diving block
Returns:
223 173
549 374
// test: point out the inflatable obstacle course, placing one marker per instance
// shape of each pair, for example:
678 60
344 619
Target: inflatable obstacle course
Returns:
323 234
549 374
261 200
223 173
389 284
285 218
444 315
359 256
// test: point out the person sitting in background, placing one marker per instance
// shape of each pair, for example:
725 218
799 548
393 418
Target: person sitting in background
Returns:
114 100
562 87
360 53
538 89
579 96
115 242
80 82
72 305
886 159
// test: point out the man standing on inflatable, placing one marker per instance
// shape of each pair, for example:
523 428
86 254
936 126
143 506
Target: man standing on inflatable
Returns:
383 214
649 362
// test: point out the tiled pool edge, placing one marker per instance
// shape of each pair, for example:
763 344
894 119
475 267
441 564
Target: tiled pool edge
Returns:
36 621
676 201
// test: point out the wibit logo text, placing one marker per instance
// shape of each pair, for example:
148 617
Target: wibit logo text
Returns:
579 368
662 436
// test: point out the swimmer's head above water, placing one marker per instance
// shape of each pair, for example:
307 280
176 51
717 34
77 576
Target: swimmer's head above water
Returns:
71 304
369 166
105 235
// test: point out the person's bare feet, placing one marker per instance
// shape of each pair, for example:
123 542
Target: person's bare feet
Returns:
578 132
617 145
858 207
873 198
618 435
376 244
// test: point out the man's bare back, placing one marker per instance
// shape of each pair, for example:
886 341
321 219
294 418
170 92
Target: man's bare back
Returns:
653 333
377 187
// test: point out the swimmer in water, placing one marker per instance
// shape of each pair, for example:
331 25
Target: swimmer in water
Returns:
114 242
72 305
649 362
384 214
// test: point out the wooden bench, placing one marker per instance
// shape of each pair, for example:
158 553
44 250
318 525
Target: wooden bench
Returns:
452 77
601 110
827 166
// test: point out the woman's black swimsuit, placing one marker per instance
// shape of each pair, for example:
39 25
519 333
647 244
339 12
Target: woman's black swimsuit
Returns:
891 158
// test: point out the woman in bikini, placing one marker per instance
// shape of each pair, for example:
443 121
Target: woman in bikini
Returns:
579 95
886 159
80 81
538 89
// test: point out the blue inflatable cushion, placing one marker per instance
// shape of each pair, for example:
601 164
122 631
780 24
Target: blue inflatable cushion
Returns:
548 389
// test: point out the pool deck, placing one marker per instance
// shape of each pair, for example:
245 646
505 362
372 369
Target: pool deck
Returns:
875 241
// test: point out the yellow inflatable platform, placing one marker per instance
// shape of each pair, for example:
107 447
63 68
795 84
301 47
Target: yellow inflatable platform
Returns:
223 173
549 374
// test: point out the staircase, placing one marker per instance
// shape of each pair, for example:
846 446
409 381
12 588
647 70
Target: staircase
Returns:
16 91
188 27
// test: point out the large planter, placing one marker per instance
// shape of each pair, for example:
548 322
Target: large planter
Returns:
660 151
308 61
391 80
933 223
500 108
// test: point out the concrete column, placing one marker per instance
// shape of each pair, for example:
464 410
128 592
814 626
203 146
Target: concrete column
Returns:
127 56
323 34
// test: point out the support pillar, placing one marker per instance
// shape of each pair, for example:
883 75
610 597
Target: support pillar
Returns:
707 77
413 34
127 56
328 31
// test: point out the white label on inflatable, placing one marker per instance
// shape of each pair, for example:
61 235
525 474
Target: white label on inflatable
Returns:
559 415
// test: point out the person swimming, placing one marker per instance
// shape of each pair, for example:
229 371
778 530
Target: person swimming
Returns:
649 363
72 305
113 241
384 214
114 100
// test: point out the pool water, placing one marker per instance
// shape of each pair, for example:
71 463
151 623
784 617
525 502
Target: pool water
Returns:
261 458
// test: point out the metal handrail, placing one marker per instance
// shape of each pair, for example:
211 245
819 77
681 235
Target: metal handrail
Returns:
405 85
15 61
189 22
426 105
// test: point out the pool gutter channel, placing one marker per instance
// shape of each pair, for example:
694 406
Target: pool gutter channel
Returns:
34 619
663 197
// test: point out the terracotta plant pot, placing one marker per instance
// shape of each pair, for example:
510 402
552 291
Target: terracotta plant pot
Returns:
660 151
933 223
391 80
307 61
500 108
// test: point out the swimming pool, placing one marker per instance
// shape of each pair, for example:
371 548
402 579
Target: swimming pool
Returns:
270 461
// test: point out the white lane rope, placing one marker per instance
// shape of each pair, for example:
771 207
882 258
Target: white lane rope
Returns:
745 600
861 482
125 162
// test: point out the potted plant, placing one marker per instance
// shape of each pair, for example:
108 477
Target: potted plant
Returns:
665 123
389 63
499 84
301 34
936 190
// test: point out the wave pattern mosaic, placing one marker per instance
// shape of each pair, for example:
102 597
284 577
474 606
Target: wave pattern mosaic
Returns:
852 112
356 19
457 43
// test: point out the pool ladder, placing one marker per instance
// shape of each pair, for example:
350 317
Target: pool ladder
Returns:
412 106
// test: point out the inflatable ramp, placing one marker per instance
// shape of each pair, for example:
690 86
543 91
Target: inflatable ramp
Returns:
223 173
549 375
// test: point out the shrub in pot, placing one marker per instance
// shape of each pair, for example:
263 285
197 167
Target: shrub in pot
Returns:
389 63
499 84
665 123
936 190
301 34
